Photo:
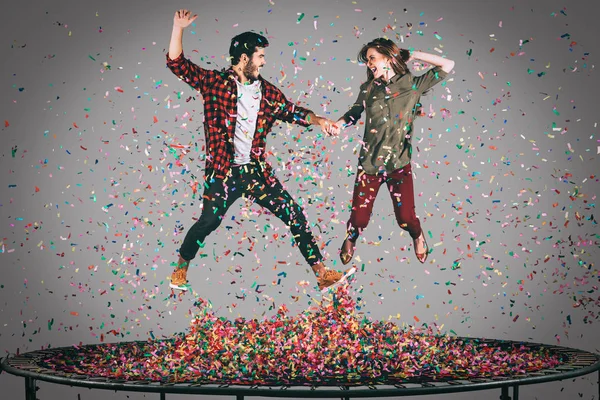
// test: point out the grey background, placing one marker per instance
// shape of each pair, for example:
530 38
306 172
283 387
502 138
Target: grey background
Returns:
506 173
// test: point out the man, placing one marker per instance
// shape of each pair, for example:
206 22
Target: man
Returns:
240 107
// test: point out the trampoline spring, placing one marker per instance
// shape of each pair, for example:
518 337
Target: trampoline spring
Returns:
16 362
44 353
29 367
565 368
46 371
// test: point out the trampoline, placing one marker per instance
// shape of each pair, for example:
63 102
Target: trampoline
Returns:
326 352
34 366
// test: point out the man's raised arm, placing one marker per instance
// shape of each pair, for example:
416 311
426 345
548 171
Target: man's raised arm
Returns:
195 76
181 20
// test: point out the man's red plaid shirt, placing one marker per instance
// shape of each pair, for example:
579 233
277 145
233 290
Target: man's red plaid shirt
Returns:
219 91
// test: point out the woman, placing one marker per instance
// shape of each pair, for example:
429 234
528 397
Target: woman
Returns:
390 97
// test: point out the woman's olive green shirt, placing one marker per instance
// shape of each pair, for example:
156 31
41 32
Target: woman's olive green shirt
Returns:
391 108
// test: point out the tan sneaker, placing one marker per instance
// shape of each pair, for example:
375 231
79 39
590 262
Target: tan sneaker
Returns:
179 279
331 279
179 275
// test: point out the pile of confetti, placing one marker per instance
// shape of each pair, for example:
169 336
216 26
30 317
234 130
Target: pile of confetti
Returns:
328 345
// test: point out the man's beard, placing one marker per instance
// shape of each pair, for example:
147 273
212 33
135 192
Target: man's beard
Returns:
249 71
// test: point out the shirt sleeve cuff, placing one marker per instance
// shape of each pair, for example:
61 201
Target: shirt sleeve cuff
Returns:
175 61
301 115
441 73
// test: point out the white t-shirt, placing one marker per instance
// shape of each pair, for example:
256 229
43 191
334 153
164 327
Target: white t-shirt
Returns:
248 104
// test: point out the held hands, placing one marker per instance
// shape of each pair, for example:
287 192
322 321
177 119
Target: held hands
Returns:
183 18
329 127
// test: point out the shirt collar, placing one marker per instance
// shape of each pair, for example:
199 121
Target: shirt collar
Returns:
249 86
395 78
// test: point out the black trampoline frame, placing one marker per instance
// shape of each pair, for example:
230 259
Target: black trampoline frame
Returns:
579 363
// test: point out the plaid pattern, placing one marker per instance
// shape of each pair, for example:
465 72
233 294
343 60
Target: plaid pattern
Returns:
219 91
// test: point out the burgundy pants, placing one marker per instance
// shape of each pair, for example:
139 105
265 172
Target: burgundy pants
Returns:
400 186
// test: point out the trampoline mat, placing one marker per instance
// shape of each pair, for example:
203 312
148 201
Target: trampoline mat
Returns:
329 345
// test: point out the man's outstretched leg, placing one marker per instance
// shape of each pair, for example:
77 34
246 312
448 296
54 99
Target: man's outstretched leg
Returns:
283 206
217 199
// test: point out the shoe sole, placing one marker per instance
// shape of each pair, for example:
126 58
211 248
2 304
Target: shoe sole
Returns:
182 288
343 279
345 262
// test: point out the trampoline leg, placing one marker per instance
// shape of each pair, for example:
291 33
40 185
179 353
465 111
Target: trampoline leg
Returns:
516 392
163 396
239 397
504 395
30 388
